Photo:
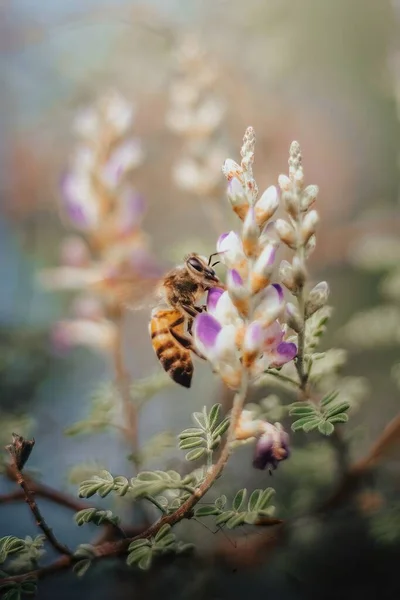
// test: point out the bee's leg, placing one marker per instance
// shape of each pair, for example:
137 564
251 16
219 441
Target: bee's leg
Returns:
189 325
185 342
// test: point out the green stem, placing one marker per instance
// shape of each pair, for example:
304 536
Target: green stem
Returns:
284 378
156 504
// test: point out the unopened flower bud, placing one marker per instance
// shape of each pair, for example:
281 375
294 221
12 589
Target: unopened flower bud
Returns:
317 298
262 271
291 203
286 275
299 272
292 317
284 183
238 292
266 205
237 197
309 225
298 178
286 233
231 169
308 197
250 234
310 246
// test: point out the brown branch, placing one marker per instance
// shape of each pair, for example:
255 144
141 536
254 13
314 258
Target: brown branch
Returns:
41 490
30 499
116 548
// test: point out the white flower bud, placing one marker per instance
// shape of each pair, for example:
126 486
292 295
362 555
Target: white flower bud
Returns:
309 225
292 317
308 197
250 234
291 203
298 178
266 205
237 197
317 298
286 233
284 183
299 272
261 274
286 275
231 169
310 246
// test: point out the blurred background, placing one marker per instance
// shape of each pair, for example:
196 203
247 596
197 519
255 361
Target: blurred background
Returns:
322 72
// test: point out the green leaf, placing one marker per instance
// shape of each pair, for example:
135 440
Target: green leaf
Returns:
162 532
329 398
299 424
191 443
167 540
326 428
195 454
341 407
343 418
206 511
149 476
220 502
251 518
254 499
145 562
238 519
9 545
221 519
214 416
311 425
264 499
84 551
96 516
201 420
221 428
101 484
138 544
137 555
81 567
239 499
191 432
303 410
13 594
29 587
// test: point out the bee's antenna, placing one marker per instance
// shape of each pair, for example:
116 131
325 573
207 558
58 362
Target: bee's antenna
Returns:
216 263
211 255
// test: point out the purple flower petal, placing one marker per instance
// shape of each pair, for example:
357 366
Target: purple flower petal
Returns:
271 448
235 277
279 290
273 336
206 330
78 201
285 352
214 294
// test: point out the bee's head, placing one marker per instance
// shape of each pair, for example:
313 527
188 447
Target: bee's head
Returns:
200 271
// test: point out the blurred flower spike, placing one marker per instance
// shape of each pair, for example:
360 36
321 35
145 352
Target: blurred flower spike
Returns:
241 333
108 260
196 114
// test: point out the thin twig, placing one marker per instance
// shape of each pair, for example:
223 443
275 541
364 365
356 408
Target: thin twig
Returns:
130 431
30 499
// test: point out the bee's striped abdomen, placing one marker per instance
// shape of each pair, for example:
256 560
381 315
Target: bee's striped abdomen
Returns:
175 359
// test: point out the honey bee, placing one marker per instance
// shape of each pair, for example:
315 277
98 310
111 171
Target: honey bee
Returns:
181 290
